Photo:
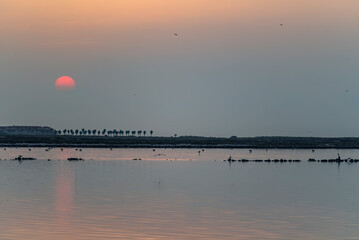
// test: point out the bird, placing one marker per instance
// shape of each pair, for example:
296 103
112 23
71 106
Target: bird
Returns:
176 34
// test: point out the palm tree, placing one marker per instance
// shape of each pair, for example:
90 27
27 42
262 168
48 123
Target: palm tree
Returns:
64 131
133 133
139 132
89 132
121 132
144 133
151 132
98 132
127 132
104 131
72 132
94 132
76 131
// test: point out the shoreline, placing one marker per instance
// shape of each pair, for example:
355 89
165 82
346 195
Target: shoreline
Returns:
164 146
178 142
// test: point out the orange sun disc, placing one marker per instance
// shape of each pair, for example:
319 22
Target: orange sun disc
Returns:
65 83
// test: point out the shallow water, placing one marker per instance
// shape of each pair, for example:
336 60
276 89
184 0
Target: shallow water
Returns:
188 196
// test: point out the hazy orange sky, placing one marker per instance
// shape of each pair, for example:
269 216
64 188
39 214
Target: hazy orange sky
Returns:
232 70
78 21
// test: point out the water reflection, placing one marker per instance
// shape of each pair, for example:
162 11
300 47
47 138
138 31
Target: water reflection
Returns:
176 200
64 199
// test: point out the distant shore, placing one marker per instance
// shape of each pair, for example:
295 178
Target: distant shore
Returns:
178 142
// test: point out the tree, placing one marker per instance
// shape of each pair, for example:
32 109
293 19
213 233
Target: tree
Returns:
72 132
139 132
104 131
127 132
121 132
77 132
98 132
151 132
89 132
175 135
94 132
144 133
64 131
133 133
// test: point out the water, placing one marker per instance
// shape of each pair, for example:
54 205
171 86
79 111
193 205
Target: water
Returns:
188 196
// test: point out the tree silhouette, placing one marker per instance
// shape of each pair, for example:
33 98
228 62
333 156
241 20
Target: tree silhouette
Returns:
127 132
72 132
139 132
76 131
64 131
98 132
151 132
94 132
144 133
89 132
133 133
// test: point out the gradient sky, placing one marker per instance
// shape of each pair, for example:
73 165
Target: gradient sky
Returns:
232 70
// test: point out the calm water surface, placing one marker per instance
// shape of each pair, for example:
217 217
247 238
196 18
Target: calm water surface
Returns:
177 194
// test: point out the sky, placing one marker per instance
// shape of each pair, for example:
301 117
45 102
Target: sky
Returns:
233 69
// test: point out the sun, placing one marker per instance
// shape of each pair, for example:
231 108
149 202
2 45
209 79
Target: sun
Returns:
65 83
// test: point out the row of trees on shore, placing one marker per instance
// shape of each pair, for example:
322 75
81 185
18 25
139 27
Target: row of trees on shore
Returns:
104 132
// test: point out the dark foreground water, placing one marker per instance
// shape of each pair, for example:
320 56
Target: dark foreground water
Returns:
188 196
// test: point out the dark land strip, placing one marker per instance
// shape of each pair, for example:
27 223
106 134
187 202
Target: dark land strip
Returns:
178 142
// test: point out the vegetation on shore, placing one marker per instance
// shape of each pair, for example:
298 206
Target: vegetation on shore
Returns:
104 132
